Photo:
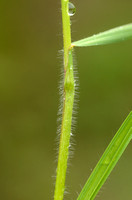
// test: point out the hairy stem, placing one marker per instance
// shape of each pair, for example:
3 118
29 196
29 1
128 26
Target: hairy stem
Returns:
68 99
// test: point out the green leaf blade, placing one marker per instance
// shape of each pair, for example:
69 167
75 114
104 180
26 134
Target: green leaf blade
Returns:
108 37
108 161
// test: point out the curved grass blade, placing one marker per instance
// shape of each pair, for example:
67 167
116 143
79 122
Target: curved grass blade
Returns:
108 160
111 36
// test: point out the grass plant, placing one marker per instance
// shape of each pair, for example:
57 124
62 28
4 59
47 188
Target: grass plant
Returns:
122 138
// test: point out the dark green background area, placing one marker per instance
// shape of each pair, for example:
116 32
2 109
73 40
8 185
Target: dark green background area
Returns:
30 65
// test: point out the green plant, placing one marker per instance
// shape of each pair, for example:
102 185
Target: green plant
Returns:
124 134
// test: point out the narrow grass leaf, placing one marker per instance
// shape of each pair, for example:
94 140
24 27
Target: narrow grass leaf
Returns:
111 36
108 160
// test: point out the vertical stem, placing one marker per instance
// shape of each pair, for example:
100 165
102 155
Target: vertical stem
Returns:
68 99
66 29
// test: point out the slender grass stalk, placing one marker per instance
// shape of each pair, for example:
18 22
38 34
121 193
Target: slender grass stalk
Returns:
68 99
123 136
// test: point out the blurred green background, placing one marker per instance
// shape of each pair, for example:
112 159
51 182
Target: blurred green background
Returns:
30 65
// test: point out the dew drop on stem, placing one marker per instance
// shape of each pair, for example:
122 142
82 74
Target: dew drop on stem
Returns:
71 9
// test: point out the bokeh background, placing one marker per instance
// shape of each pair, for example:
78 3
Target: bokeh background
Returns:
30 65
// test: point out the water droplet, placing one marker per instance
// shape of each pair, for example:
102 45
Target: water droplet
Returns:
71 9
71 67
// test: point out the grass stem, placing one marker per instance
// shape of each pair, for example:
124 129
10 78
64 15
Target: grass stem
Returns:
68 99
